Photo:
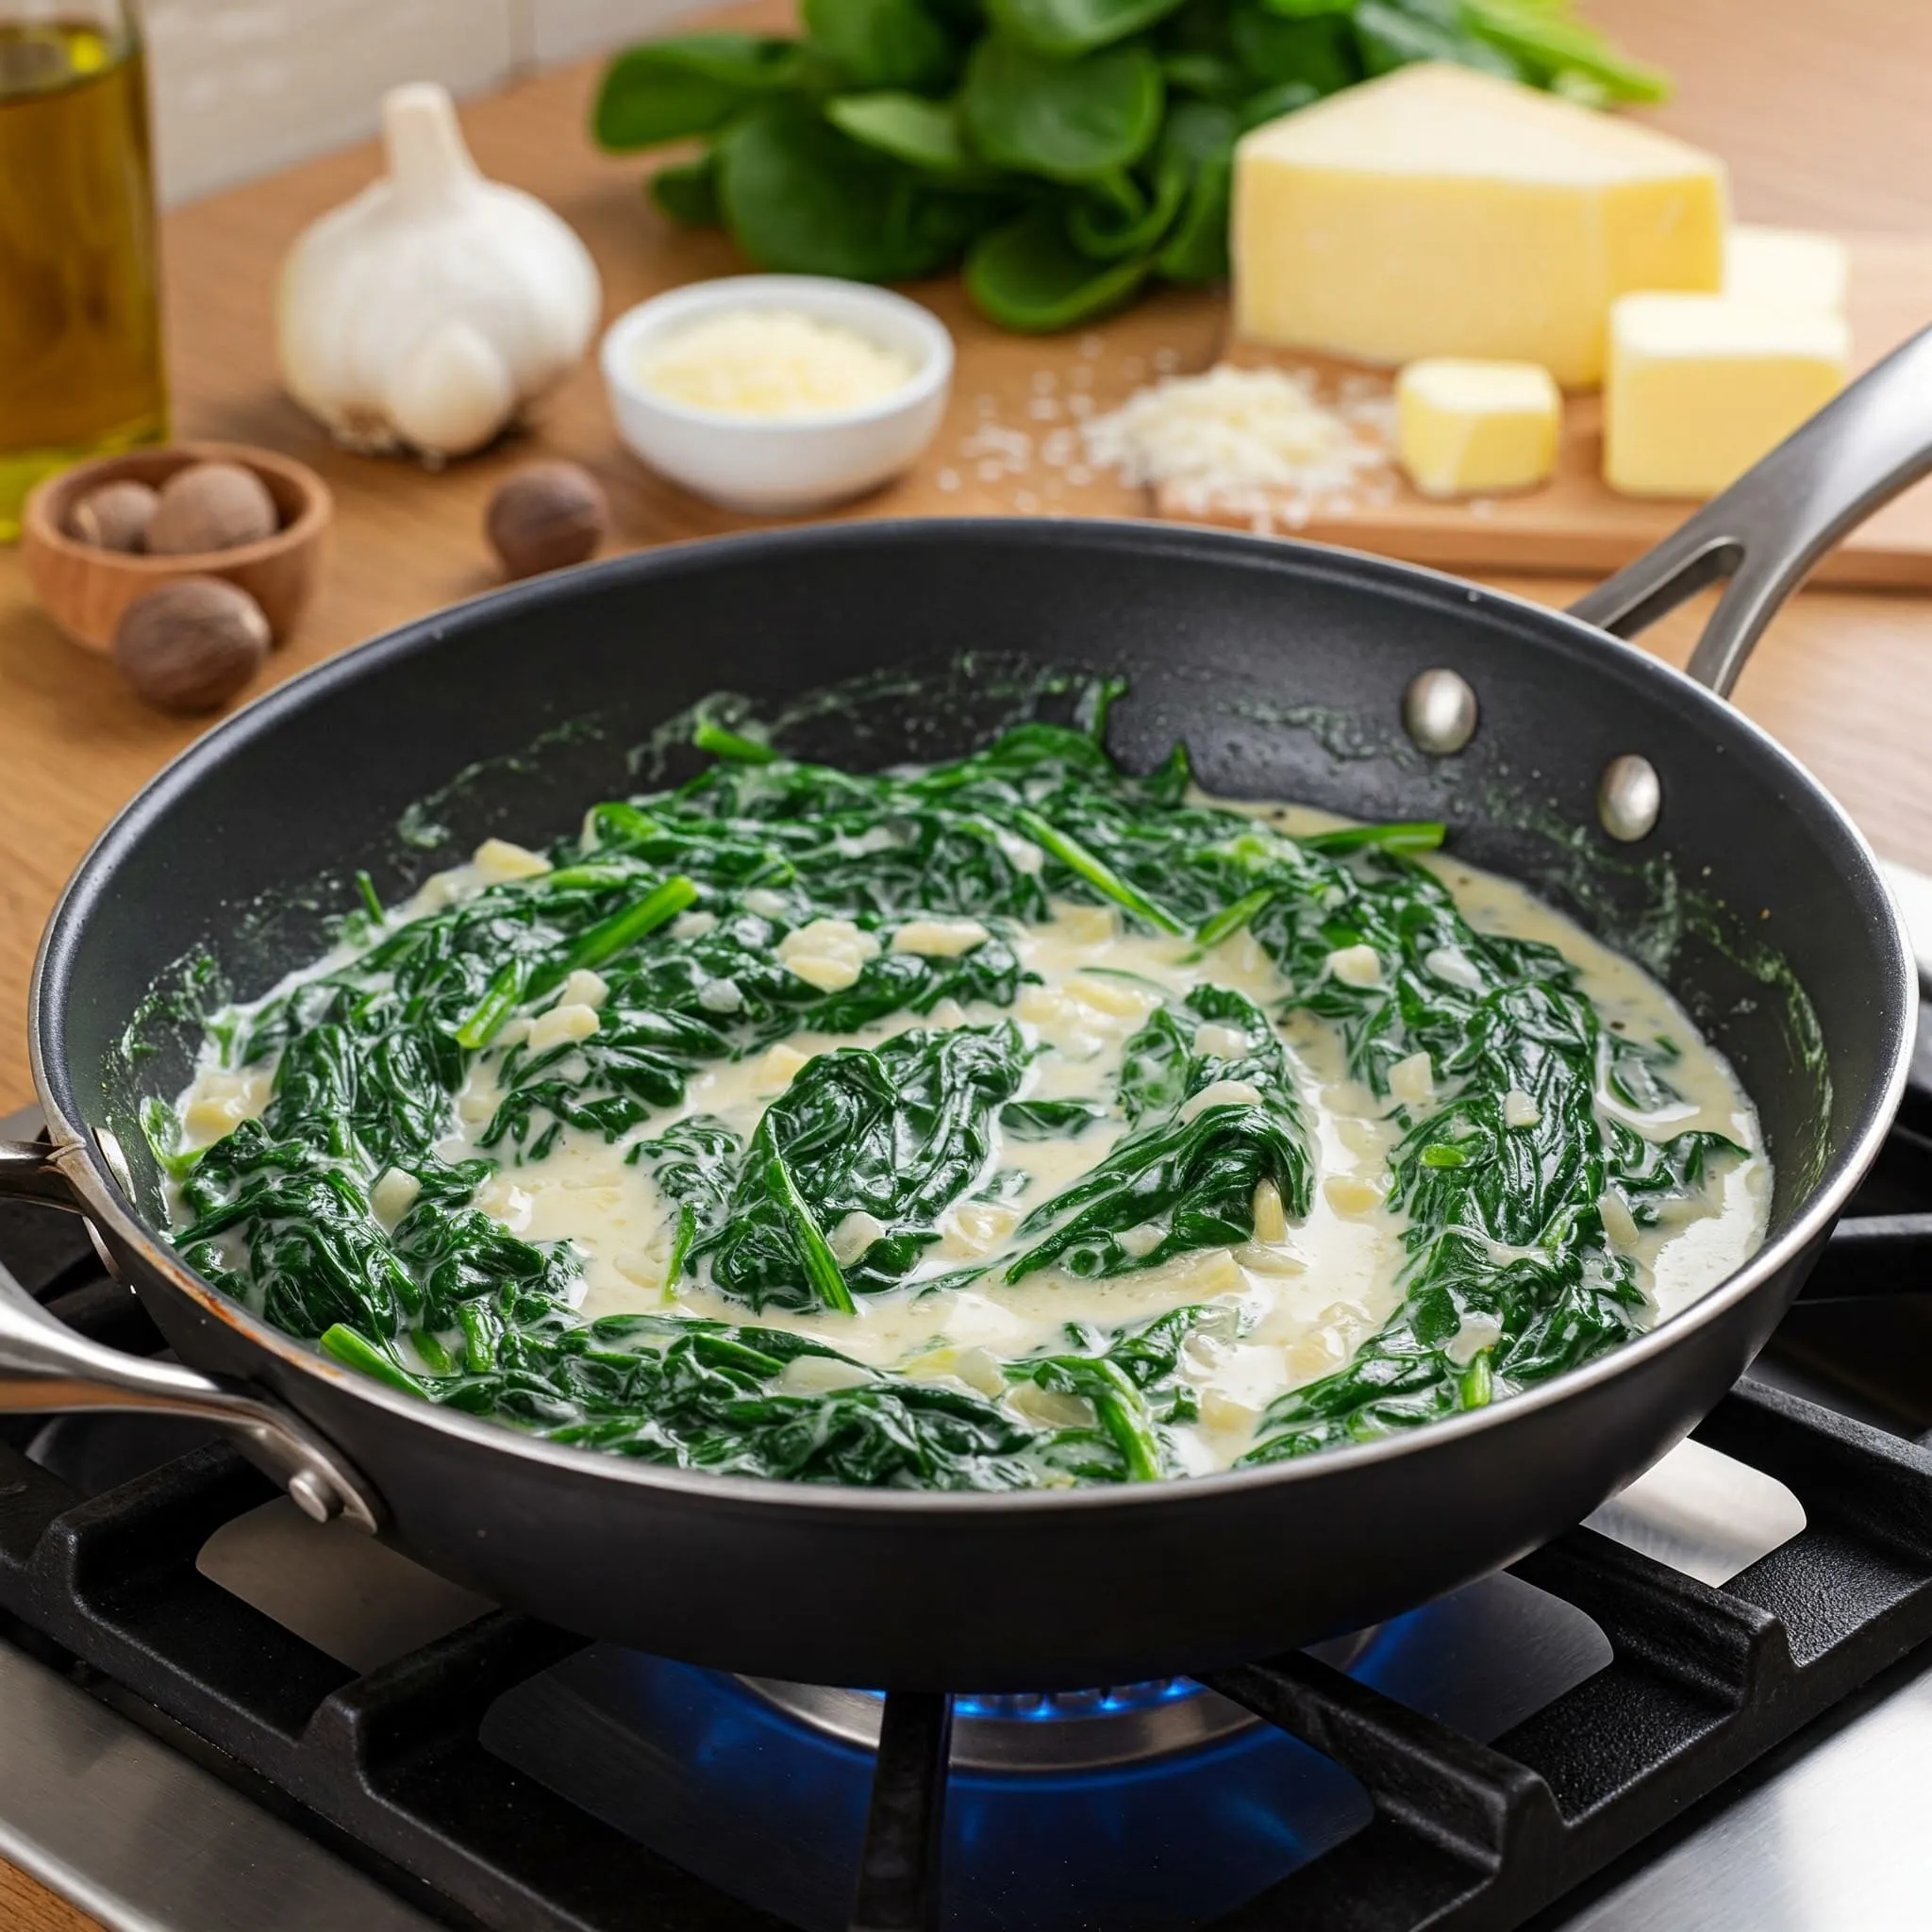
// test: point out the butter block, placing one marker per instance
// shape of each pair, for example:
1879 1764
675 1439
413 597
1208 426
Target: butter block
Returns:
1700 386
1790 265
1463 427
1438 212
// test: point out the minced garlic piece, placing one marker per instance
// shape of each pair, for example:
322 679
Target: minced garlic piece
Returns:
940 939
1618 1222
585 988
854 1234
1118 999
223 1101
828 954
1221 1093
1221 1042
771 362
561 1024
393 1195
779 1064
1271 1218
1220 1411
1349 1195
1088 926
818 1375
977 1228
498 859
1356 965
1413 1081
1053 1408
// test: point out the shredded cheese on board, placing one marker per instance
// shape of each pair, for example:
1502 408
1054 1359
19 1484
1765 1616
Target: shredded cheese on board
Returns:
1220 440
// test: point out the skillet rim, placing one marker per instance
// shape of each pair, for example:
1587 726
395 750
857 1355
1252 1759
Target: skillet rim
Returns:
78 1159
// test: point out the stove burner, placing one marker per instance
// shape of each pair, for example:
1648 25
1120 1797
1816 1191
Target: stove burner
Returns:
1067 1730
1050 1730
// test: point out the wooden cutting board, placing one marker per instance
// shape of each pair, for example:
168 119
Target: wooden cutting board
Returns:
1577 524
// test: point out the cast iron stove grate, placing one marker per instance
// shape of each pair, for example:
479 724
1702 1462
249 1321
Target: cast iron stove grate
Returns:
390 1766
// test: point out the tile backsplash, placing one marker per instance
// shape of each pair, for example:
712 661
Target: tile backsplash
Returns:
243 87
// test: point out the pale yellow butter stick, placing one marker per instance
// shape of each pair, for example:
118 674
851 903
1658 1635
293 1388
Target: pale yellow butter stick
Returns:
1700 386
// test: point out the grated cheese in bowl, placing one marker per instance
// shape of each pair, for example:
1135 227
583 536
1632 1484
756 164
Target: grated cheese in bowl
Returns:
770 362
1253 438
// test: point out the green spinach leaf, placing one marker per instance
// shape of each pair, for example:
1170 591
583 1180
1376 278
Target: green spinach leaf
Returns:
1061 28
885 43
1064 119
666 90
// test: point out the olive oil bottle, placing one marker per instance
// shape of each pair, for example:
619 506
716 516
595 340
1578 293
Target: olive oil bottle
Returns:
81 353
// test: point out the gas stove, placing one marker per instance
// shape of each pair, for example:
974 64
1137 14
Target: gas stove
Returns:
1708 1707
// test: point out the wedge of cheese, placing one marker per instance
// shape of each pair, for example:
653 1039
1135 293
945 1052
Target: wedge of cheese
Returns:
1442 213
1700 385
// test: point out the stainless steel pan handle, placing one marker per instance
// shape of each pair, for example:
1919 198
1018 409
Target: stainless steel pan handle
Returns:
45 1366
1766 530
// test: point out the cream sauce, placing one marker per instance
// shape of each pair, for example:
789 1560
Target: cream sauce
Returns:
1297 1306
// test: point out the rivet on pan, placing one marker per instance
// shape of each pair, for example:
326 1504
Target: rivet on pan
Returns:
315 1495
1439 712
1630 797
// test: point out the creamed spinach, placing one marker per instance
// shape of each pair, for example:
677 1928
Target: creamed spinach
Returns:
342 1214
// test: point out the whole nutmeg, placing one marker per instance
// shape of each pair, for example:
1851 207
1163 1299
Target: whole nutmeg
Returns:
191 645
115 516
210 506
545 517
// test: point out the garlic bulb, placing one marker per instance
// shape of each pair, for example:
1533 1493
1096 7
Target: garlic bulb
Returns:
427 311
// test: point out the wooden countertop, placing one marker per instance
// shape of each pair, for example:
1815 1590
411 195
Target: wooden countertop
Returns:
1818 110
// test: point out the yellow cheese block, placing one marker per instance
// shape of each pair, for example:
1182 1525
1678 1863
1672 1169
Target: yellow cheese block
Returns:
1700 386
1464 427
1442 213
1791 265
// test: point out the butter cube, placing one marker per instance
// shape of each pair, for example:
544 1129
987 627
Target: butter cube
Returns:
1438 211
1465 427
1788 265
1700 385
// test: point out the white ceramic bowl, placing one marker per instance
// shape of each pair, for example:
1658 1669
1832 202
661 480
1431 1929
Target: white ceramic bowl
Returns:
781 465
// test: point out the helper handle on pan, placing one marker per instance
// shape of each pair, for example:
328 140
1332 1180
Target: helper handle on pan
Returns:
1766 530
44 1365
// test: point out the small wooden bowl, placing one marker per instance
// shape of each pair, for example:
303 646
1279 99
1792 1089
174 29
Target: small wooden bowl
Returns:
86 588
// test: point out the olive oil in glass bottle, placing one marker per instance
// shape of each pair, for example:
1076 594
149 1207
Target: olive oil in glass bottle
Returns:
80 352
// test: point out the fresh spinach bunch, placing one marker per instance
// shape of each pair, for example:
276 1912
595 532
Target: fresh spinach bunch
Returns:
1070 151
